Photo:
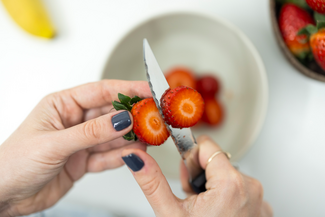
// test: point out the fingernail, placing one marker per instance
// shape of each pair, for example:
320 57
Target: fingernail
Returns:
121 121
133 162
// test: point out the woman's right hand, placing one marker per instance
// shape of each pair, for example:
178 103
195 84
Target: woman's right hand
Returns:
229 193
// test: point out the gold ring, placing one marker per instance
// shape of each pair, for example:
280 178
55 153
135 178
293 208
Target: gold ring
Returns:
228 155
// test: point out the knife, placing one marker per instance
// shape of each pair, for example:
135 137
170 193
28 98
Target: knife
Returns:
183 138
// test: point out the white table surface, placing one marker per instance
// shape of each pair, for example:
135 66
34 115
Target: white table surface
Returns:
287 157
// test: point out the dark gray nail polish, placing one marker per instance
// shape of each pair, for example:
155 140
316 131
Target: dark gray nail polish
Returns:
133 162
121 121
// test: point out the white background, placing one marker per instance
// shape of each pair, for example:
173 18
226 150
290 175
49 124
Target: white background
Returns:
288 156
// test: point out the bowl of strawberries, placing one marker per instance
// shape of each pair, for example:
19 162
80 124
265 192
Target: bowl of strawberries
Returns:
299 27
208 55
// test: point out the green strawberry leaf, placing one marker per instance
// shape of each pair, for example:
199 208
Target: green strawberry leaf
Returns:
130 136
135 99
119 106
320 24
124 99
302 55
319 17
300 3
310 56
126 104
308 30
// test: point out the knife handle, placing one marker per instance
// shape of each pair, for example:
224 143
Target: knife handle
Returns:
198 183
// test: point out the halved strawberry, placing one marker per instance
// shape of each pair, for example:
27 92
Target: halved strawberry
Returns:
213 112
182 107
180 76
148 125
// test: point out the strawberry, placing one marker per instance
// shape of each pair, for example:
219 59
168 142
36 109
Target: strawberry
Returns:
180 76
182 107
148 125
291 19
316 37
208 85
317 5
213 112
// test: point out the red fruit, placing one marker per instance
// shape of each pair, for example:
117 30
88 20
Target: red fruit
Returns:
148 125
317 43
208 86
317 5
180 77
182 107
213 112
292 18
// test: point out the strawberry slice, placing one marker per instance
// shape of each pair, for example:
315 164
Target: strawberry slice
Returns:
148 125
213 112
181 76
182 106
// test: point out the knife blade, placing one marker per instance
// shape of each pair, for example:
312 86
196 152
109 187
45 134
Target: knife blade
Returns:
183 138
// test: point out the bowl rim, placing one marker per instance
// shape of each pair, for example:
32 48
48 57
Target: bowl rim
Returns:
256 56
287 53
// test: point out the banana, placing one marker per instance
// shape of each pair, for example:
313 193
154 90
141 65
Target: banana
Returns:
31 16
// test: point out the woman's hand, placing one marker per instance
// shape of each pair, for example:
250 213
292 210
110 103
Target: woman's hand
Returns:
68 134
229 193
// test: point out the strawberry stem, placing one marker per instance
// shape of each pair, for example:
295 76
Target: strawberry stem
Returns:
126 103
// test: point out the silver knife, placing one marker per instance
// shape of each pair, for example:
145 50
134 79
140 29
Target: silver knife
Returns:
183 138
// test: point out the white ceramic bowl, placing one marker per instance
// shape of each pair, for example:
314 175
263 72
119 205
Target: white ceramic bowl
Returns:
205 44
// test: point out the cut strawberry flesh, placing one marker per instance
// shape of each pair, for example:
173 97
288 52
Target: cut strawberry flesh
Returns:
213 113
148 124
181 76
182 107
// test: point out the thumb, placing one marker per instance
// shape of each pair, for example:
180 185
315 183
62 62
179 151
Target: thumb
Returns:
93 132
152 182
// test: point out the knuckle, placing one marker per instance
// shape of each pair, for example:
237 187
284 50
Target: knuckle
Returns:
51 97
92 129
237 181
258 188
150 187
104 91
238 187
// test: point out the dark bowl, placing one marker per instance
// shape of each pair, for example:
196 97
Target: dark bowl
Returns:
312 69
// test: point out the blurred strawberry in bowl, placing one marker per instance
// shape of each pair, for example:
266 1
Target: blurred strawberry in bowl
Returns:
208 85
180 76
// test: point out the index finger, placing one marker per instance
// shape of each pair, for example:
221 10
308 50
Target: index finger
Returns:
103 92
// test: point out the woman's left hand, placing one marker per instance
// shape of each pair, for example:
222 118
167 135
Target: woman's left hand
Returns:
68 134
